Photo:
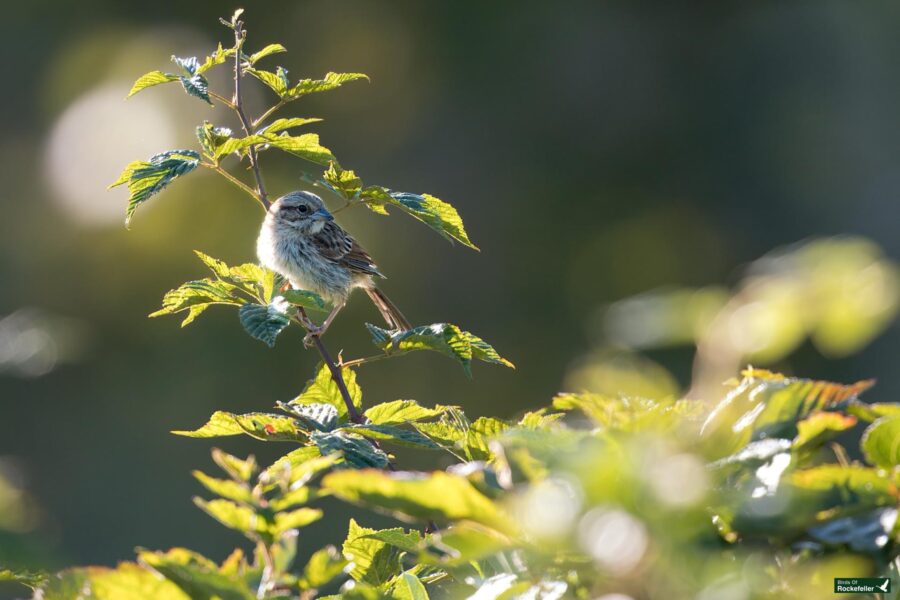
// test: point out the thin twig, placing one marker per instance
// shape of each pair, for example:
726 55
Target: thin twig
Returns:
364 361
221 99
234 180
268 113
239 37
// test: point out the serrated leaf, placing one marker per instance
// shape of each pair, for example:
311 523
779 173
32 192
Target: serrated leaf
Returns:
357 452
262 426
196 296
150 79
236 468
128 581
373 561
406 540
766 404
392 433
305 146
247 521
267 51
146 178
323 389
399 412
196 86
211 138
190 64
446 338
225 488
479 435
196 575
329 82
881 442
451 430
318 416
343 182
432 211
279 125
819 428
304 298
277 82
322 567
293 466
263 322
436 496
216 58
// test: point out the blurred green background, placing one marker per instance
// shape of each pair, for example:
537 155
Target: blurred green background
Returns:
596 151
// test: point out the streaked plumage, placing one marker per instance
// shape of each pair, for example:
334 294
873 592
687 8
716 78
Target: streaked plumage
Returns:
300 240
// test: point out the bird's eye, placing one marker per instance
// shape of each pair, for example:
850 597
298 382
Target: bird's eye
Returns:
303 209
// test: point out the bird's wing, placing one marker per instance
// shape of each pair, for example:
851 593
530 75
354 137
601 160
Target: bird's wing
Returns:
335 244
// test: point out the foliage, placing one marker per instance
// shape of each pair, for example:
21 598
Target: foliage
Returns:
745 492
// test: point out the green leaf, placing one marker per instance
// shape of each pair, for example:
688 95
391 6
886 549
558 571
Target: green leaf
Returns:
128 581
263 322
196 575
233 515
32 579
322 567
262 426
197 296
304 298
479 435
392 433
211 138
434 496
399 412
342 182
318 416
432 211
357 452
293 466
226 488
872 412
323 389
267 51
277 82
305 146
821 427
238 469
372 561
445 338
216 58
765 405
469 541
329 82
193 82
408 587
295 519
150 79
146 178
451 430
881 442
408 541
281 124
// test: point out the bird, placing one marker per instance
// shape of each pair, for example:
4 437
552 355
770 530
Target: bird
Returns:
300 241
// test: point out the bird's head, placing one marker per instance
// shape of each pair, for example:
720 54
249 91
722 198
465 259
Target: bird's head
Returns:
302 211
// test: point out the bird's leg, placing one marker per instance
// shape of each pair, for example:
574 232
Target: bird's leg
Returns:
317 330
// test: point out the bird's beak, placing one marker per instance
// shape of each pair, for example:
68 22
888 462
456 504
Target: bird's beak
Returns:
323 215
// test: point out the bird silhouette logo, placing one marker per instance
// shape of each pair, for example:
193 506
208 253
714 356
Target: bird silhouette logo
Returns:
884 587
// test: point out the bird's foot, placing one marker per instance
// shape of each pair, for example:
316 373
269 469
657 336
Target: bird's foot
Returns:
312 331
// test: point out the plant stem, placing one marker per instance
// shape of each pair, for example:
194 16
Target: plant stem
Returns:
364 361
268 570
239 37
222 99
234 180
268 113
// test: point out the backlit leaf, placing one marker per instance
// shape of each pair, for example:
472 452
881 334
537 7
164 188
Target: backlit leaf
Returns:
146 178
432 211
373 561
150 79
322 567
323 389
881 442
225 488
196 575
262 426
267 51
399 412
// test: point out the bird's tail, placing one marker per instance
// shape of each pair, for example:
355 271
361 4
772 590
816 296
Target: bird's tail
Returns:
388 310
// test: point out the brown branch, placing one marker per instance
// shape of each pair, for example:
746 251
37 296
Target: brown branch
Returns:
239 36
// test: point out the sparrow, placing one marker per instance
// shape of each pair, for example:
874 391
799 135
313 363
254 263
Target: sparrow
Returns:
300 241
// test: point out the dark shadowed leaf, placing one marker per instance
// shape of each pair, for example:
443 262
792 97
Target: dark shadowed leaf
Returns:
263 322
395 434
32 579
357 452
